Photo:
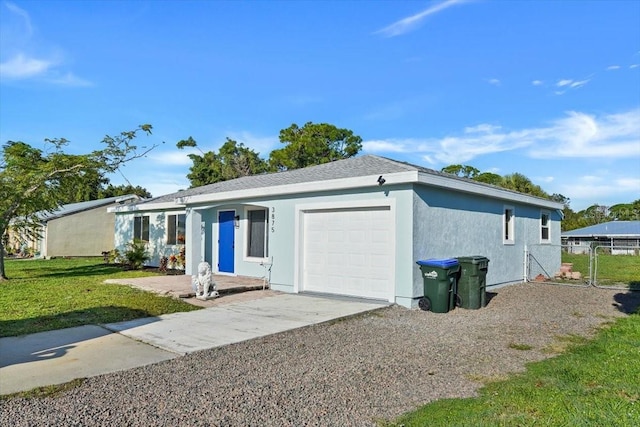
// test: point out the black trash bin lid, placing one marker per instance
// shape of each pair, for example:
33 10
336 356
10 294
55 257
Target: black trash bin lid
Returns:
474 259
436 262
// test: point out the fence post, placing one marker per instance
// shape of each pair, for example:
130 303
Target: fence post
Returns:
526 264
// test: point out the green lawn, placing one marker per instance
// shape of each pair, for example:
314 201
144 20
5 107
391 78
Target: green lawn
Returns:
592 384
43 295
616 270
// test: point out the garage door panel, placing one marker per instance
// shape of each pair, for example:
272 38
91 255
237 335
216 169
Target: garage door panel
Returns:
348 252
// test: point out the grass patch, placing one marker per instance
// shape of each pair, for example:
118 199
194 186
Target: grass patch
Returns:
523 347
562 342
45 391
44 295
594 383
611 269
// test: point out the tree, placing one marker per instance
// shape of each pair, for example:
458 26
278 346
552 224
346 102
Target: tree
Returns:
124 190
88 188
625 211
519 182
33 180
489 178
313 144
595 214
463 171
233 160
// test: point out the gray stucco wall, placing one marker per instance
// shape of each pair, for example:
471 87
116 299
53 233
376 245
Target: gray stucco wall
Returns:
450 225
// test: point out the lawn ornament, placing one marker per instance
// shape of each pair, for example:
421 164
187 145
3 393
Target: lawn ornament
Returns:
203 284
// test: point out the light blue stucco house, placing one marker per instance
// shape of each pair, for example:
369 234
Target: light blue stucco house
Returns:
351 227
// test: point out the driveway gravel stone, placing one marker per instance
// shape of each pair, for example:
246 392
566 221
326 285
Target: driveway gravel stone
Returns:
351 372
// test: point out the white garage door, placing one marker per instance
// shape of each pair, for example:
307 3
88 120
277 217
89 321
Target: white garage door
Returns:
349 252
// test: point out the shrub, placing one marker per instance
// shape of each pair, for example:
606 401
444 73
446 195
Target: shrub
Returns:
136 254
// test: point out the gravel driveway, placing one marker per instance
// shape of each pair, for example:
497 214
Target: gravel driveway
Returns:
345 373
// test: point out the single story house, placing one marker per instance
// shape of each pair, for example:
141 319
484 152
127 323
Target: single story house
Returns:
351 227
618 237
75 229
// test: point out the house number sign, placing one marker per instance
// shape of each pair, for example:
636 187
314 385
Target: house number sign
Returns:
273 219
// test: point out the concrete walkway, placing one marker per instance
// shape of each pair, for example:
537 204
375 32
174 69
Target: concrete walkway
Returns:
60 356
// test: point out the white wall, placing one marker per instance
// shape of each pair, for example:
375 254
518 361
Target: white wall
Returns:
157 246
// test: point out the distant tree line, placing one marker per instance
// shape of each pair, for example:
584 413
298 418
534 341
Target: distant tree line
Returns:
311 144
595 214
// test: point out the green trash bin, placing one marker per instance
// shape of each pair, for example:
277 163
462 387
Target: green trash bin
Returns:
472 283
440 277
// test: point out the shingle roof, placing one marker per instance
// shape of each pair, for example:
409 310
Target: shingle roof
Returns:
346 168
607 229
72 208
340 169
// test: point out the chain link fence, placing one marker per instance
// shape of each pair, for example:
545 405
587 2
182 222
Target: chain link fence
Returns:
606 266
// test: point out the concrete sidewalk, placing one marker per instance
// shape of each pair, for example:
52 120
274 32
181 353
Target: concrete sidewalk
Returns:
60 356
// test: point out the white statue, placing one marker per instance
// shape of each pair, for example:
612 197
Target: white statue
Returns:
203 284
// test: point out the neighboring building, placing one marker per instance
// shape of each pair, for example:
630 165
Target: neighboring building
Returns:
619 237
75 229
351 227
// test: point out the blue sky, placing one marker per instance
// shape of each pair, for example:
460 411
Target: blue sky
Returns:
549 89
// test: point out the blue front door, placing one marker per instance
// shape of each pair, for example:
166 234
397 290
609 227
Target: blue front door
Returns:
225 241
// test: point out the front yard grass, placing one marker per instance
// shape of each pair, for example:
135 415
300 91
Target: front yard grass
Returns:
44 295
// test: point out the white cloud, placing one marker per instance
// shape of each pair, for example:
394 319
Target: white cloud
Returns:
494 82
577 84
159 184
482 128
68 79
545 179
589 189
581 135
577 135
412 22
172 158
23 56
632 66
26 20
537 82
390 146
21 67
566 84
613 67
260 144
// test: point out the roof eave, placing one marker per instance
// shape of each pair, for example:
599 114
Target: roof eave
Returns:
486 190
306 187
146 207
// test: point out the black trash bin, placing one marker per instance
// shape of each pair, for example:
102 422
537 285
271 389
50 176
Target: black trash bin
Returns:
472 283
439 277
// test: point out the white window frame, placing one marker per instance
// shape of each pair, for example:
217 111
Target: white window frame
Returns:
175 218
544 226
142 218
508 227
247 237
